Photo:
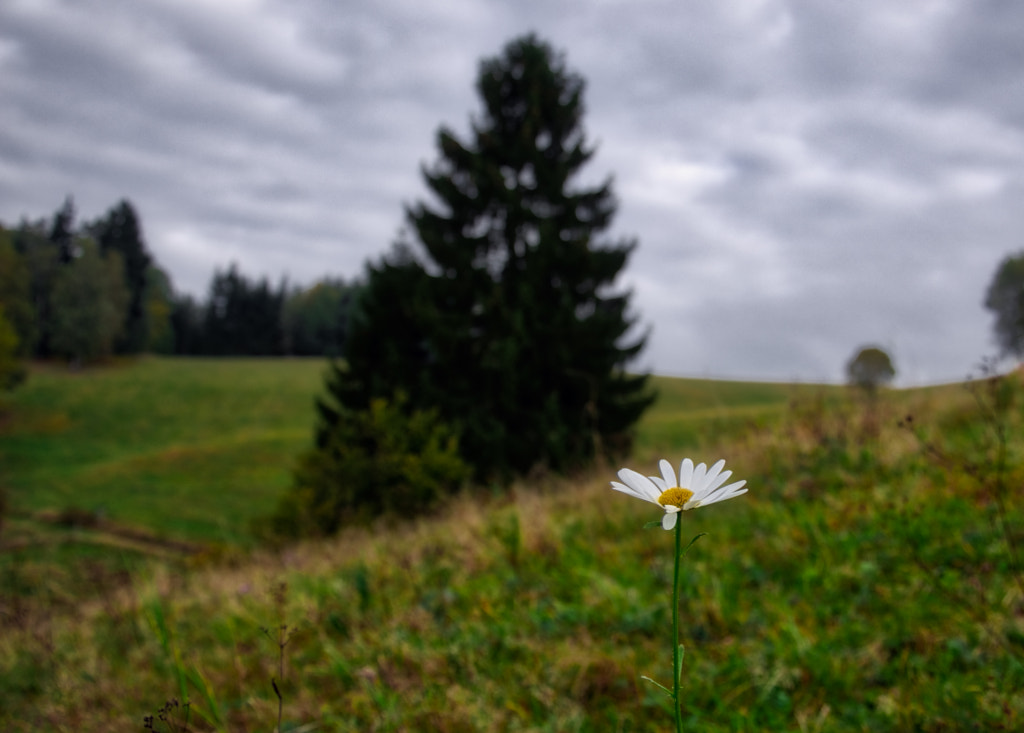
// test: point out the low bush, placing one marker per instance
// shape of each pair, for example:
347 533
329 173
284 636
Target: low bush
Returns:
384 460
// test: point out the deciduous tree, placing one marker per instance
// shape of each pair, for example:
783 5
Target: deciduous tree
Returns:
89 300
870 368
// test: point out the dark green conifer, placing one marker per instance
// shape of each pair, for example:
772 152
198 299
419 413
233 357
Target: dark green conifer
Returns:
119 231
505 319
62 231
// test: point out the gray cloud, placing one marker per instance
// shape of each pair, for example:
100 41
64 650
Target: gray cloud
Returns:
803 177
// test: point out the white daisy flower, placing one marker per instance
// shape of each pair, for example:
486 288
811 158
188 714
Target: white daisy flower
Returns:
696 487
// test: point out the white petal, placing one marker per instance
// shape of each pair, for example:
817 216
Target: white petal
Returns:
713 472
710 487
685 474
725 489
668 474
643 486
697 482
726 492
659 482
669 520
628 490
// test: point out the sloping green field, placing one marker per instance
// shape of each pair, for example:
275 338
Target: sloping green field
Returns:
187 448
695 412
194 449
871 580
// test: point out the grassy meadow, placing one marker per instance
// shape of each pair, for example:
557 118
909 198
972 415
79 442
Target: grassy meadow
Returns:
184 448
869 581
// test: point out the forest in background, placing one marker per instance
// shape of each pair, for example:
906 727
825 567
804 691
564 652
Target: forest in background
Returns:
86 291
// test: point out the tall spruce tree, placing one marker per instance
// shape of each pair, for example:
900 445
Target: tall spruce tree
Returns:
119 231
62 231
505 319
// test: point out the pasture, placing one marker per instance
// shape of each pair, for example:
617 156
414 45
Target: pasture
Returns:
870 580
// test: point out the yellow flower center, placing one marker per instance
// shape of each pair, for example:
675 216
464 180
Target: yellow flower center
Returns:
675 497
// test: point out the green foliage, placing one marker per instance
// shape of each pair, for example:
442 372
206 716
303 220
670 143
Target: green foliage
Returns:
503 318
1005 298
41 259
89 300
870 368
62 231
384 460
12 371
242 317
120 231
187 325
159 306
16 293
316 318
61 304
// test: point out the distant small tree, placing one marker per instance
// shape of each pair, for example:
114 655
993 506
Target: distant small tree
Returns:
1005 298
870 369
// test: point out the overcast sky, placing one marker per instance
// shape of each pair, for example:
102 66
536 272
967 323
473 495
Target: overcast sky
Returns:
803 177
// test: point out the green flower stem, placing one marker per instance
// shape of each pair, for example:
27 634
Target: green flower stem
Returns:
676 661
677 648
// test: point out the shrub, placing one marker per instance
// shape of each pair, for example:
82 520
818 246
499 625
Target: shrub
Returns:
384 460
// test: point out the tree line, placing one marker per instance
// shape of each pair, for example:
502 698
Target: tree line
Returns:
248 317
86 291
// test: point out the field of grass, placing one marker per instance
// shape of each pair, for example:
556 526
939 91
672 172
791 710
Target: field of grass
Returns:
870 580
693 412
185 448
194 449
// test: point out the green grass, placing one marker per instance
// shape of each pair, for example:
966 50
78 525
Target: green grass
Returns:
864 584
694 412
196 448
187 448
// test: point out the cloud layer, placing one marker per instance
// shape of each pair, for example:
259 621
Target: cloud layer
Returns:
803 177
